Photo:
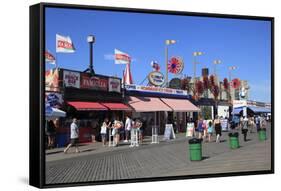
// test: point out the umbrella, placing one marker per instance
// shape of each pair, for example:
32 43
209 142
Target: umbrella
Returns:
51 112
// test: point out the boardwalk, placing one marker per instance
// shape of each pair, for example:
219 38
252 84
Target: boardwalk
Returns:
157 160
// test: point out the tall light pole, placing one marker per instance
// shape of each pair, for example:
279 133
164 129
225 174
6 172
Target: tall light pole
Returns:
230 68
216 62
167 42
91 40
195 54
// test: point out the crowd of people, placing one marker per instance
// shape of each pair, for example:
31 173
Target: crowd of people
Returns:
110 132
205 129
132 131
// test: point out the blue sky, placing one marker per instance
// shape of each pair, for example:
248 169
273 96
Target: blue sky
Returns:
245 44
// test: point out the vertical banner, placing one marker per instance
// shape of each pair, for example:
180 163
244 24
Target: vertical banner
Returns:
52 80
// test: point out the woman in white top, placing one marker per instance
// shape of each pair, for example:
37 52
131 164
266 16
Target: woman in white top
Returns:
103 131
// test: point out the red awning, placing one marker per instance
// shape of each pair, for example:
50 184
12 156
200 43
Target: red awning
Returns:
147 104
180 105
116 106
87 105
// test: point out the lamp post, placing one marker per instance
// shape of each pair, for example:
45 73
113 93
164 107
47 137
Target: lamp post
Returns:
91 40
216 62
229 72
167 42
195 54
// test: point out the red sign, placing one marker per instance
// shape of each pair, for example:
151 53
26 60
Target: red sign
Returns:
94 82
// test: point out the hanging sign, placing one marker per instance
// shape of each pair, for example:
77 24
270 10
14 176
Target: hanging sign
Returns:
114 85
71 79
53 99
156 78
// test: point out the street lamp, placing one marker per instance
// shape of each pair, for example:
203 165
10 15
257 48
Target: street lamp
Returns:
195 54
167 42
230 68
216 62
91 40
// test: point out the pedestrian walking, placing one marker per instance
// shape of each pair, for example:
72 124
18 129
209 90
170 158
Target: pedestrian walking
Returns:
74 136
50 132
134 134
200 128
117 125
244 127
105 125
210 130
139 126
258 122
128 126
217 125
205 128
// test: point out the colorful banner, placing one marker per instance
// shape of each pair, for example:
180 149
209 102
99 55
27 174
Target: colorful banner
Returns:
121 57
52 80
71 79
53 99
94 82
155 89
49 58
114 85
64 44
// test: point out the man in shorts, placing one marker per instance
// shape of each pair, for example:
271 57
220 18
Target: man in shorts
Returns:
74 136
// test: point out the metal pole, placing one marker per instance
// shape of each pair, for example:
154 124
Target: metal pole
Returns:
91 58
194 74
166 55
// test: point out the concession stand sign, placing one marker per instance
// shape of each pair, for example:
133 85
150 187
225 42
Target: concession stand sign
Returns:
71 79
156 78
94 82
114 85
155 89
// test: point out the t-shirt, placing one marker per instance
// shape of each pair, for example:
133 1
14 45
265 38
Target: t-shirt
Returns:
128 124
74 131
245 124
103 128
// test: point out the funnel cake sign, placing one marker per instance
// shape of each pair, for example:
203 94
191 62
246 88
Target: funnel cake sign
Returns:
94 82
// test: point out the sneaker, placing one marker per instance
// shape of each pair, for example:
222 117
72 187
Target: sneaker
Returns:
125 141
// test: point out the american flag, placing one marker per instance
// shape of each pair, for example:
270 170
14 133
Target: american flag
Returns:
175 65
155 65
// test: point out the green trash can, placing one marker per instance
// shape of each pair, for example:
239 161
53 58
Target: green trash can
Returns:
234 140
195 149
262 134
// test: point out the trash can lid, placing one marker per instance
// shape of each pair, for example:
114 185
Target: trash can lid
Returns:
194 141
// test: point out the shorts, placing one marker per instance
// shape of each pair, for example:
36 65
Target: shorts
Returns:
103 135
74 141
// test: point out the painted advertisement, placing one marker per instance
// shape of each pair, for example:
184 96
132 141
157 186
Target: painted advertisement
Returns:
155 89
93 82
114 85
156 78
53 99
71 79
